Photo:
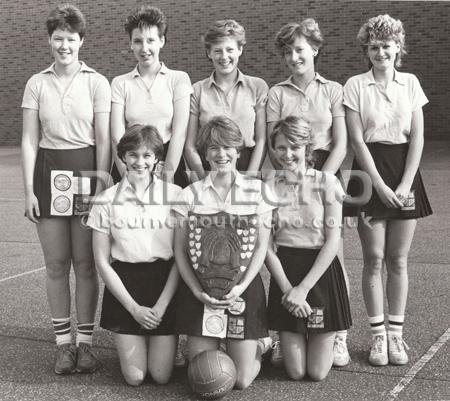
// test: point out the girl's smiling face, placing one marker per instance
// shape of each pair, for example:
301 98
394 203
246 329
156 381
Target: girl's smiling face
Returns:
141 161
382 54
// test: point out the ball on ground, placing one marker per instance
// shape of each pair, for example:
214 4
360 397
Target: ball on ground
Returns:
212 374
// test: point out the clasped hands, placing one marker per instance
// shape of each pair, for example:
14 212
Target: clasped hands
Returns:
294 300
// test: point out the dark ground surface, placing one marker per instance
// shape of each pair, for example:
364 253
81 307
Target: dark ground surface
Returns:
26 335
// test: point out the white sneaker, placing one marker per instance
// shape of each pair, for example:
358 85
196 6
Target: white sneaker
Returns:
396 350
378 351
276 359
341 357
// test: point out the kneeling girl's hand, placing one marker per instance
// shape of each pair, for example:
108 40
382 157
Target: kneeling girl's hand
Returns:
295 302
210 301
146 317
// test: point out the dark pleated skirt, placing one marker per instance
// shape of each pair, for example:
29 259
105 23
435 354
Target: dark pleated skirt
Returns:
390 162
144 282
329 294
76 160
189 314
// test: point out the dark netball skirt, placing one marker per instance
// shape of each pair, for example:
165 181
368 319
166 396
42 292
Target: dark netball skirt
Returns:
390 162
144 282
242 162
75 160
189 314
180 177
328 298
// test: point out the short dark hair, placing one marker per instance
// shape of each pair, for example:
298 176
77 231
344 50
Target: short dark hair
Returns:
221 29
138 135
145 17
66 17
220 131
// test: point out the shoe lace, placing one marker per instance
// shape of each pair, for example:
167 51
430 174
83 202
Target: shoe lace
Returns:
339 345
66 350
86 348
377 345
276 349
399 343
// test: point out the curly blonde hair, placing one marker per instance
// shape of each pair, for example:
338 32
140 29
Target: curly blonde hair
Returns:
381 29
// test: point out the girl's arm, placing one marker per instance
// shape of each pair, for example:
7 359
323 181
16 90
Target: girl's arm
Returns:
259 151
190 151
295 299
414 154
275 268
118 125
365 160
102 251
184 266
179 128
257 261
339 149
102 146
168 292
30 145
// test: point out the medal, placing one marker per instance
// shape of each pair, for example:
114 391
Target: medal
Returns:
238 307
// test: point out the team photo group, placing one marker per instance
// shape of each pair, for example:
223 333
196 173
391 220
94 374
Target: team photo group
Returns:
178 194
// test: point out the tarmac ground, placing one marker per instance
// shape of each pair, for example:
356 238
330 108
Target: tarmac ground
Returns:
27 339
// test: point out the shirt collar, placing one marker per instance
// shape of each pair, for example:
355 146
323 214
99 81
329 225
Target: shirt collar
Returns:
238 181
163 70
84 68
290 82
125 185
240 78
369 79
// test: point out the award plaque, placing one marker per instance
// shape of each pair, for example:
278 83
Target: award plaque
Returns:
220 248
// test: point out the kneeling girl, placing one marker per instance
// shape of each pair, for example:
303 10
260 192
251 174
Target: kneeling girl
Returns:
132 226
308 299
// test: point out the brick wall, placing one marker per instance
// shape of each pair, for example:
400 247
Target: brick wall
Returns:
24 50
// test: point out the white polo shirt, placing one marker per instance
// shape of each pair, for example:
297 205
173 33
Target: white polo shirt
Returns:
386 113
299 218
141 230
246 97
66 113
151 105
319 104
247 196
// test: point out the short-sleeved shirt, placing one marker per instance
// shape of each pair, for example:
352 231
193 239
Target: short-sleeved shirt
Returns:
66 113
319 103
246 97
151 104
247 196
141 230
299 218
386 113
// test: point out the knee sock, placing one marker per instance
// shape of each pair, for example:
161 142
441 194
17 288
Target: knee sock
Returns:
84 333
396 324
62 330
377 325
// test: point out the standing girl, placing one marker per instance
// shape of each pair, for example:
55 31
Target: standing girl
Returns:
219 262
132 227
318 102
67 105
228 92
308 299
151 94
385 121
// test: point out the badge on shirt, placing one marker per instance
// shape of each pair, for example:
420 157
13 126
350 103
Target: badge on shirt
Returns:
315 319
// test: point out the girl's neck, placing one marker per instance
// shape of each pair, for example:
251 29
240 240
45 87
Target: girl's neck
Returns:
223 182
140 184
303 80
151 70
67 71
226 79
383 76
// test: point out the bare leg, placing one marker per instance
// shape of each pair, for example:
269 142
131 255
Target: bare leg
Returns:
161 355
246 355
54 234
293 347
196 345
320 355
132 351
86 290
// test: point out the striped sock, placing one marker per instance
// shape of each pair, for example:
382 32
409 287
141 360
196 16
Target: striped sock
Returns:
377 325
62 330
84 333
396 324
